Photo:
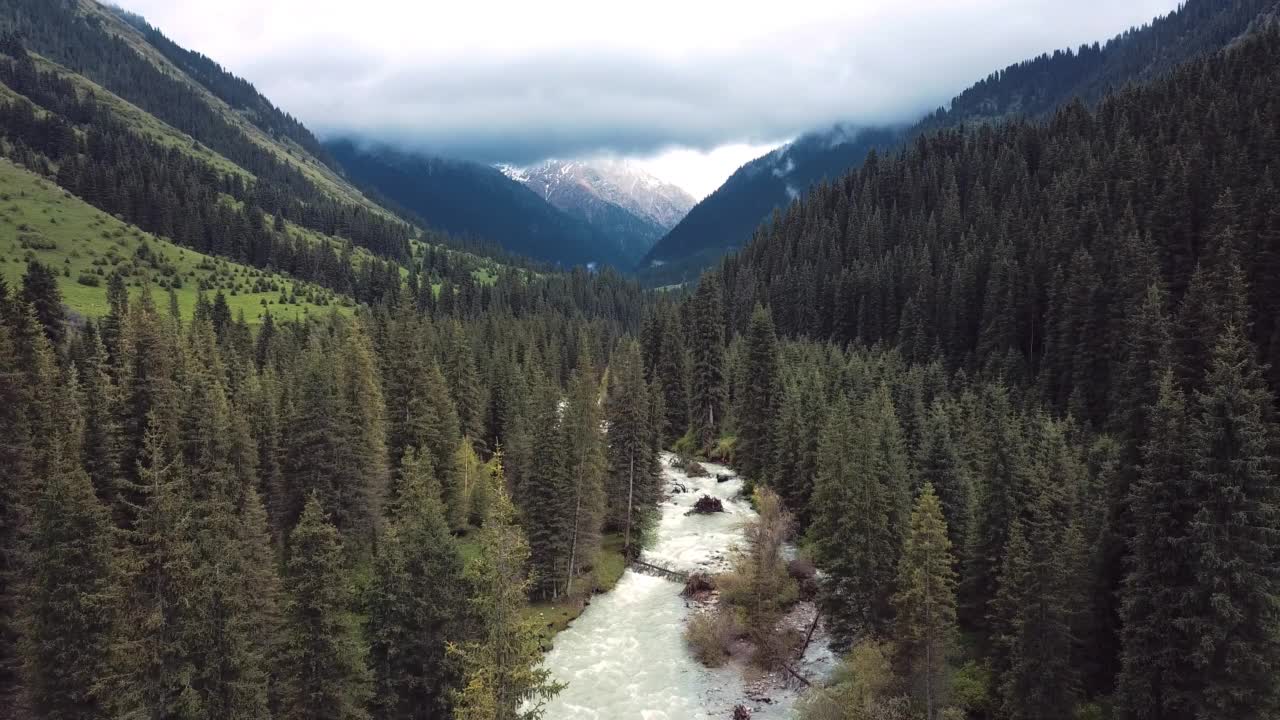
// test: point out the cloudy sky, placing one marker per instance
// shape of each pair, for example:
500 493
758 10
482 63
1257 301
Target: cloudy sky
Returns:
693 88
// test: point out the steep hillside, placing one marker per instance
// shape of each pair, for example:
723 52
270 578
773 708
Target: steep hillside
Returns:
210 105
472 200
726 219
40 222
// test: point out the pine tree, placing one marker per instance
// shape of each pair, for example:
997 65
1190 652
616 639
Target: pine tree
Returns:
1154 659
1032 611
40 290
153 666
707 340
925 604
1000 500
68 597
1230 615
416 603
856 520
547 496
584 444
759 399
322 666
464 382
942 467
631 486
502 668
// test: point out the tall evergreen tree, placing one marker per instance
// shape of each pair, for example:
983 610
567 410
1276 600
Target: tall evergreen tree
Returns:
1155 658
759 396
707 339
1230 615
502 668
68 598
632 486
585 451
416 604
322 662
40 290
547 496
925 603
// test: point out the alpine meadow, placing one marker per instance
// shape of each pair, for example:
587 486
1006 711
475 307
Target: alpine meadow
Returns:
689 362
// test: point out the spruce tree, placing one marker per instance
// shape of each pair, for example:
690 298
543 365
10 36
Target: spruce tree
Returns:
707 341
416 604
503 676
759 397
68 598
584 444
1230 615
942 467
1154 659
925 604
631 486
547 496
855 532
40 290
322 664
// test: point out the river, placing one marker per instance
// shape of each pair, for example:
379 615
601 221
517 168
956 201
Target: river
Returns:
625 657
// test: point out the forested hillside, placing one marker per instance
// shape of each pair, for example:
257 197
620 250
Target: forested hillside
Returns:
726 219
1063 335
467 199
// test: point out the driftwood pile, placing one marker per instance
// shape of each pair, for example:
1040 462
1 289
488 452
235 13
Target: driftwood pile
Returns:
707 505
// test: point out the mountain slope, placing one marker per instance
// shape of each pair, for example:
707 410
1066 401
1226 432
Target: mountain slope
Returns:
621 200
474 200
726 219
135 137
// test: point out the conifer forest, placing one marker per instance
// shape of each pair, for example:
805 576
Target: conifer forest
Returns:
981 425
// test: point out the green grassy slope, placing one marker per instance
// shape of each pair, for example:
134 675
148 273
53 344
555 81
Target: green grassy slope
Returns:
40 221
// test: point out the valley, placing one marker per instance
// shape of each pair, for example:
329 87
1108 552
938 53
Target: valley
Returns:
462 407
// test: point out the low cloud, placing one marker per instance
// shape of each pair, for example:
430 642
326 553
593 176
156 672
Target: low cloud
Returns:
574 78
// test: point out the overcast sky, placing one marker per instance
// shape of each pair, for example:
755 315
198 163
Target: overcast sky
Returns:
693 88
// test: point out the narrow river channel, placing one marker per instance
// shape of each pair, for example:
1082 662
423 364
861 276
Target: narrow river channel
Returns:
625 658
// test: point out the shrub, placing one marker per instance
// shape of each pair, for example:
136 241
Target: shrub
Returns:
88 280
710 636
698 584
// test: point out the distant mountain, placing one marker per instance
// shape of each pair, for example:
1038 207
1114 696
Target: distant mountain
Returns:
727 218
473 200
615 196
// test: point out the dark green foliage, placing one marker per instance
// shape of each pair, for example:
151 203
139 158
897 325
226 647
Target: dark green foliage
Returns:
68 598
758 397
322 656
707 338
416 604
547 495
859 511
40 290
1229 617
632 485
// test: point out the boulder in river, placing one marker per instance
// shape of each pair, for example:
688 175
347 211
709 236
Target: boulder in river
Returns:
741 712
694 469
707 505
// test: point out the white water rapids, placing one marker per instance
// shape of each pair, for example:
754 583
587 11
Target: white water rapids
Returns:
625 658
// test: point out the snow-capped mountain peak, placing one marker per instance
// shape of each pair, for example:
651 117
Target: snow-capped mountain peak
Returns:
577 185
